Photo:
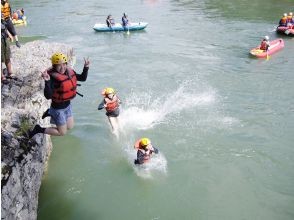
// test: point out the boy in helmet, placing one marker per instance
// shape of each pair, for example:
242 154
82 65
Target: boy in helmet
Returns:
111 104
60 87
144 150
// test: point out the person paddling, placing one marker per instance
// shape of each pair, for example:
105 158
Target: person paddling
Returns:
125 20
110 21
111 104
290 21
60 87
144 150
283 20
265 44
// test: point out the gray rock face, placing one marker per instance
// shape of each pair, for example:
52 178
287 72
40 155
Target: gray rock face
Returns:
23 161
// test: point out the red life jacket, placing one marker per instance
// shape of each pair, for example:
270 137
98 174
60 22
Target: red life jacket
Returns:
111 105
263 45
65 85
137 147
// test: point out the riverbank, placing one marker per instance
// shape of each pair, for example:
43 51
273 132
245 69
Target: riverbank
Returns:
23 161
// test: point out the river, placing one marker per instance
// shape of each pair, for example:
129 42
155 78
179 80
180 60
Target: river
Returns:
222 120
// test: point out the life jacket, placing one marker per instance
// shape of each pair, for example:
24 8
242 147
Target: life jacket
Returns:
125 21
111 104
147 156
65 85
283 20
263 45
289 18
137 147
6 10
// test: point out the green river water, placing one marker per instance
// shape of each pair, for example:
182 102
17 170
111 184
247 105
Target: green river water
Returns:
222 120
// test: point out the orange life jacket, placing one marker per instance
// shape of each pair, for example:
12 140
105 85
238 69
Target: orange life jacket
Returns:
111 104
137 147
65 85
263 45
6 10
283 20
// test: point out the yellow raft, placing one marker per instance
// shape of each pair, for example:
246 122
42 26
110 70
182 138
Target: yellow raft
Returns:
22 21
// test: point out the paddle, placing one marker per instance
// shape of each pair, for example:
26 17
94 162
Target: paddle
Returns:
128 33
267 56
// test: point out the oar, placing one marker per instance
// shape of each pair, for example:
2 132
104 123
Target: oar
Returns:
267 56
128 33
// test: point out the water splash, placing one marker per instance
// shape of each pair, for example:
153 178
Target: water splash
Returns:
144 112
156 165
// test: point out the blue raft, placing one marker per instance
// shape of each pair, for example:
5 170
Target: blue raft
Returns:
118 27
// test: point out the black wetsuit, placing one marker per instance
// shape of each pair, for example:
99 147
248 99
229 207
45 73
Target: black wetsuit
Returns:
49 87
141 156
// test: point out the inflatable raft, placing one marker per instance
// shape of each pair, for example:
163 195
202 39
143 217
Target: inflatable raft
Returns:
22 21
118 27
275 46
286 30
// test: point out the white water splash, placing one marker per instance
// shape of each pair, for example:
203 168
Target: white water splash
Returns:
157 164
143 112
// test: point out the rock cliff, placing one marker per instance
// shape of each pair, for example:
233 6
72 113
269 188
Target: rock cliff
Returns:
23 161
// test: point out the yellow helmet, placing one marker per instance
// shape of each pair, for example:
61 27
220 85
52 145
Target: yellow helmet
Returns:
108 91
144 142
58 58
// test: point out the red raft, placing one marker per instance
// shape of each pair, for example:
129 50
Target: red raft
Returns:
289 30
275 46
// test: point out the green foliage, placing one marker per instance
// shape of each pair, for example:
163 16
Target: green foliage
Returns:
24 127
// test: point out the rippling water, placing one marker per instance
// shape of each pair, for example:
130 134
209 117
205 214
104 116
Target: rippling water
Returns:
222 120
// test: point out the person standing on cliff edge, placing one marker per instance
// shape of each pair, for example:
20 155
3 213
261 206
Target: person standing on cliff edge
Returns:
60 87
6 11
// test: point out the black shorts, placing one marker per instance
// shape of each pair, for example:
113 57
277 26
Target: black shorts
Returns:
114 113
10 27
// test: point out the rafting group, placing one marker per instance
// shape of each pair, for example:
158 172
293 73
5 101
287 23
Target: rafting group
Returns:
267 47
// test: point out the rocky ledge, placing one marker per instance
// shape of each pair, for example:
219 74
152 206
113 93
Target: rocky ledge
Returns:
23 161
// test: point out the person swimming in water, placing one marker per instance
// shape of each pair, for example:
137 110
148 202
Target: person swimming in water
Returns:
111 104
144 150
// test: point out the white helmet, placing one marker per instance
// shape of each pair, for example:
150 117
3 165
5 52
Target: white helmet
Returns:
290 13
285 14
266 37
